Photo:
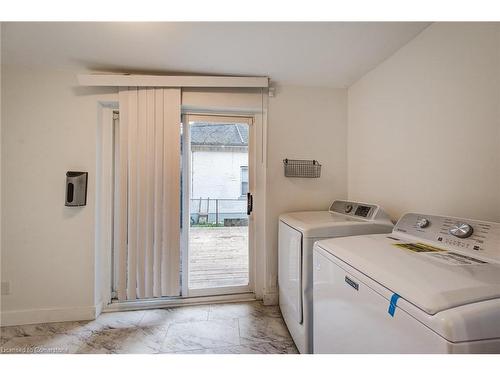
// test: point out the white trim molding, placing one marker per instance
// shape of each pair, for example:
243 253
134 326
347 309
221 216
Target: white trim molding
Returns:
270 299
48 315
170 81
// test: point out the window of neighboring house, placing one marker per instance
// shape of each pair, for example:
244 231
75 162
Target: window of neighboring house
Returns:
244 180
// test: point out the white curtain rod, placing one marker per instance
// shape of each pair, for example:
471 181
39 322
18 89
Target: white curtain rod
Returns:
171 81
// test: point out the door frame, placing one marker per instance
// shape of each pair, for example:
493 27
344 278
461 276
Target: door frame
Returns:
104 205
186 188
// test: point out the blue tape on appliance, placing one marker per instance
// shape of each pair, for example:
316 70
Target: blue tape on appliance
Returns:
392 304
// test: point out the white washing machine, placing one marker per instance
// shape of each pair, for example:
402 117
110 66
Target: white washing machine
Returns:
297 233
432 286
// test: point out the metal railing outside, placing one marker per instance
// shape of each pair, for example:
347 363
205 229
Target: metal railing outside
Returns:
218 212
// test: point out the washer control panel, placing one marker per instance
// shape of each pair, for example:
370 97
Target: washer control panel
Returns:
479 237
422 222
461 230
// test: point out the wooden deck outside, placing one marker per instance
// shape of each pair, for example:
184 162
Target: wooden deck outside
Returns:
218 257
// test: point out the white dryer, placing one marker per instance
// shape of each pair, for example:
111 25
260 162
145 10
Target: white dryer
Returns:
297 233
432 286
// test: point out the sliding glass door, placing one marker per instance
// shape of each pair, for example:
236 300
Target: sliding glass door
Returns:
216 203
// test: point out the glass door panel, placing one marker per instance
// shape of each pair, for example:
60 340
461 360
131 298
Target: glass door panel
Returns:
216 174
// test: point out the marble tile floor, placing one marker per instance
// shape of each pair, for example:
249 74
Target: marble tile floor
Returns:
230 328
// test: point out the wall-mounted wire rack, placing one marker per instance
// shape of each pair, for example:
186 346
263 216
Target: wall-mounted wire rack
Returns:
302 168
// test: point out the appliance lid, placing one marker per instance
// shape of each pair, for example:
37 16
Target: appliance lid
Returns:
318 223
430 276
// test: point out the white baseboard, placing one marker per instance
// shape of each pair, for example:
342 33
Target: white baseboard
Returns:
270 299
98 308
18 317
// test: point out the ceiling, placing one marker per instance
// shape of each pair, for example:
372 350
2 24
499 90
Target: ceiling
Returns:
332 54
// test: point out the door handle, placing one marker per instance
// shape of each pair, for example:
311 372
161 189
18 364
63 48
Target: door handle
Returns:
249 203
351 282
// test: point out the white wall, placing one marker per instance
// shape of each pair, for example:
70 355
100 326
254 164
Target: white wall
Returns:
304 123
424 126
49 126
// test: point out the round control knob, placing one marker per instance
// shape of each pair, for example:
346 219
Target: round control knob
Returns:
423 222
461 230
348 208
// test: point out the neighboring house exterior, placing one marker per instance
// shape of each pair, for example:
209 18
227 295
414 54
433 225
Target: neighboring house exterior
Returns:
219 171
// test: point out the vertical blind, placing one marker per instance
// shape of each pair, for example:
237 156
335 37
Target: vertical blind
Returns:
147 193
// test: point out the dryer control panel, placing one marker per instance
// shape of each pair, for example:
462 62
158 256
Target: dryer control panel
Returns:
362 210
474 236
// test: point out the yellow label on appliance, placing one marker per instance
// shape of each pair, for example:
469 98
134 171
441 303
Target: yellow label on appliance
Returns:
418 247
